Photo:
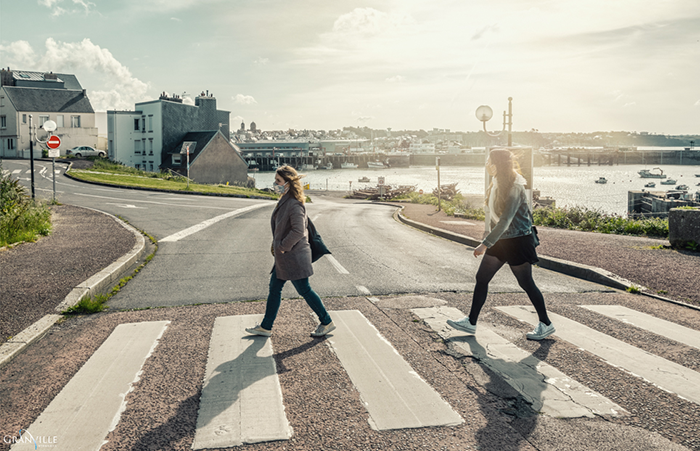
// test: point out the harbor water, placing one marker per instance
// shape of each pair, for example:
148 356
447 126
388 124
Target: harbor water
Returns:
569 186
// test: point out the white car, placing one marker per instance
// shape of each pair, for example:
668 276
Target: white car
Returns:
86 151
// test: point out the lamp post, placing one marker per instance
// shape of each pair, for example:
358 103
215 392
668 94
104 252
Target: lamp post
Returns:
50 127
31 154
484 113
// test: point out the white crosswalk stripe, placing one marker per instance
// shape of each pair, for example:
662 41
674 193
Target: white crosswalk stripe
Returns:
547 389
393 393
95 395
665 374
241 398
676 332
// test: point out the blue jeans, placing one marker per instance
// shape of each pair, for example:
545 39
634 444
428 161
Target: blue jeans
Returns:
274 299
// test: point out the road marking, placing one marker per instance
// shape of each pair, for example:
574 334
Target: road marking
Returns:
663 373
673 331
124 205
335 264
95 396
363 290
29 171
203 225
146 201
16 171
241 398
547 389
395 396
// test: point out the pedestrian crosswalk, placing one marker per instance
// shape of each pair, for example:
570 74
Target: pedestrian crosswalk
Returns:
242 401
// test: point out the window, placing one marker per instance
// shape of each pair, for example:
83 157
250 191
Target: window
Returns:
150 146
177 159
143 124
10 143
3 121
75 121
24 118
42 119
137 147
150 163
2 100
136 125
150 123
59 121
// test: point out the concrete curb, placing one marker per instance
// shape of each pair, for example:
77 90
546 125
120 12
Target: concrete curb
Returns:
94 284
589 273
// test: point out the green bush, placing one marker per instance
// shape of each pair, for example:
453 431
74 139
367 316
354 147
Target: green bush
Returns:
457 205
21 218
581 218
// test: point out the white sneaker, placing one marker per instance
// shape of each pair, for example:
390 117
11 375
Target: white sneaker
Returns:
541 331
258 330
463 324
322 330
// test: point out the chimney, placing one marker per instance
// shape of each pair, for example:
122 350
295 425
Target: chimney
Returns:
50 76
6 78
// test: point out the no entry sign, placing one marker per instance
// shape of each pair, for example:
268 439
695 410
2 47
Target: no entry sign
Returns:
54 142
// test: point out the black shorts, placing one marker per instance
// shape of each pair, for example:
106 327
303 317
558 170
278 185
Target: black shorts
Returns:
515 251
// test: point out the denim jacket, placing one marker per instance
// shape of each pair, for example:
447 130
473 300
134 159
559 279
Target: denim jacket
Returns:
516 219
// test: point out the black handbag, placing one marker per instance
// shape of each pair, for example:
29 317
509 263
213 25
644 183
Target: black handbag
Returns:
318 247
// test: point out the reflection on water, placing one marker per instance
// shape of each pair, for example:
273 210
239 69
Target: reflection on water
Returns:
570 186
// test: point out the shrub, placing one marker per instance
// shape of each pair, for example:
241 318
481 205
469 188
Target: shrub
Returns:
21 218
581 218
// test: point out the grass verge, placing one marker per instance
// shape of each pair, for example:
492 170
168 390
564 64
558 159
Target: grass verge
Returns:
457 206
587 220
109 172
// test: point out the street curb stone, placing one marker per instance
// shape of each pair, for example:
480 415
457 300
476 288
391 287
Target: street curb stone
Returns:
589 273
94 284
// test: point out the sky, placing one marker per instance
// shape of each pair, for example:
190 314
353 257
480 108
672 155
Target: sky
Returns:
569 65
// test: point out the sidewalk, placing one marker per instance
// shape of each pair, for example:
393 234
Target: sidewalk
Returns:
37 277
666 272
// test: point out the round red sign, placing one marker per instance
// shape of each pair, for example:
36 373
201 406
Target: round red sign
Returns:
54 142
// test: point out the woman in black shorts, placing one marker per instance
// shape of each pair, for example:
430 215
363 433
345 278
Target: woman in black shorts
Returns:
510 240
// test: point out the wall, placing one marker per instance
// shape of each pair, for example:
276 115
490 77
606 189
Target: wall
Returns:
218 163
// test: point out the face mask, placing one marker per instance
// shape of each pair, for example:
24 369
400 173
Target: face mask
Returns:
279 189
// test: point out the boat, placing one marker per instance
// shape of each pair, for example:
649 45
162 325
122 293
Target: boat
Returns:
650 185
253 166
697 175
363 180
347 165
647 174
327 166
682 188
309 167
668 182
602 180
375 165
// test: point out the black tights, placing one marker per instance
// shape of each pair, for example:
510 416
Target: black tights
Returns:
523 273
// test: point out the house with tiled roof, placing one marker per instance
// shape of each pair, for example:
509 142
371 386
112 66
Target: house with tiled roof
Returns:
212 159
43 96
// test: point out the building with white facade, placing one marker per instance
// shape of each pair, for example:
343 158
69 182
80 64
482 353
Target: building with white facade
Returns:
43 96
145 137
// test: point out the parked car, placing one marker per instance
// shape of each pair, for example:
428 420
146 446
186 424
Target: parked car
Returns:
86 151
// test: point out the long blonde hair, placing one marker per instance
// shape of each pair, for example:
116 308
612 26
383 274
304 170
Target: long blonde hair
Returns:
506 172
290 175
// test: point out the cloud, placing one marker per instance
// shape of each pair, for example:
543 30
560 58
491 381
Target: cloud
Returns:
364 119
123 89
629 104
480 34
261 61
369 21
176 19
243 99
58 10
697 103
395 79
236 121
19 54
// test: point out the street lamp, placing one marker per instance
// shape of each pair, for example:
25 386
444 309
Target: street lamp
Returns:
484 113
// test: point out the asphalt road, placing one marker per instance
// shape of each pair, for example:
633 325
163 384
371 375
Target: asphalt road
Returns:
226 257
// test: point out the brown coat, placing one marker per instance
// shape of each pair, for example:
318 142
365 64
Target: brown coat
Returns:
290 236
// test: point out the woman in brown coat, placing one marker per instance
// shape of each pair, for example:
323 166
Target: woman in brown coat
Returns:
292 253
